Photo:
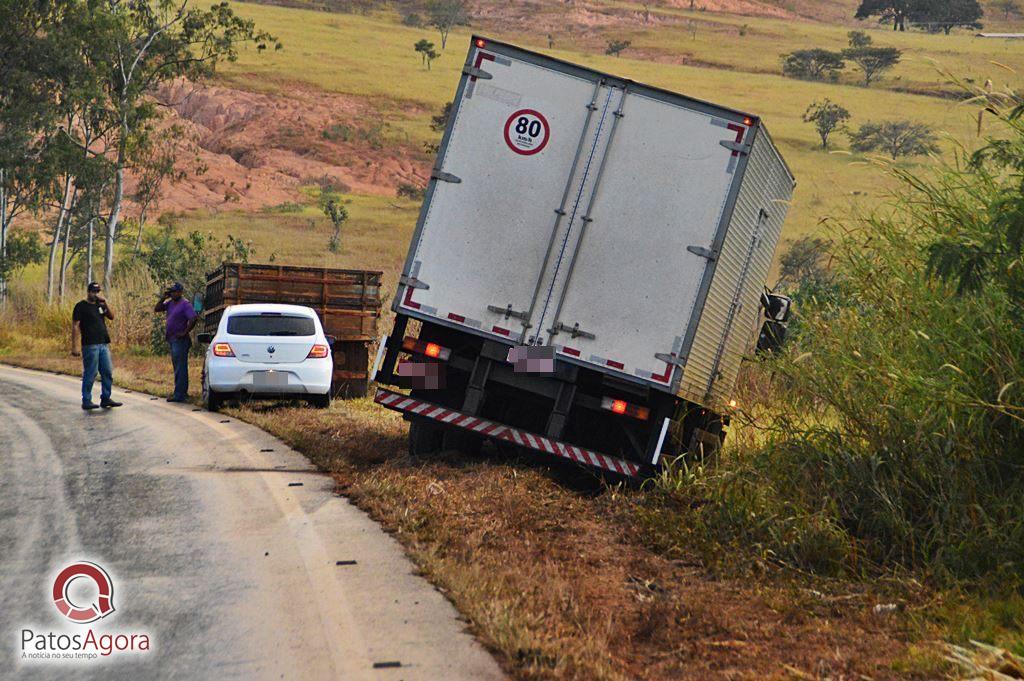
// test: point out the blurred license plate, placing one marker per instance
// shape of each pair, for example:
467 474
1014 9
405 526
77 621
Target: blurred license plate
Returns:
270 379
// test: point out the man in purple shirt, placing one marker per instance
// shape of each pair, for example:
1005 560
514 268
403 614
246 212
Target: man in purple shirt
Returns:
181 317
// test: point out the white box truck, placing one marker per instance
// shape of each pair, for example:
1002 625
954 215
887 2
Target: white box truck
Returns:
613 236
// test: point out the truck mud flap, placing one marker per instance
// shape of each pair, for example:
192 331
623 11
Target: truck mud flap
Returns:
405 404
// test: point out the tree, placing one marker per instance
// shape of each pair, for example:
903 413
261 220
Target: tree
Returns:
872 61
1007 7
135 47
333 207
945 15
896 138
813 64
858 38
617 46
827 118
426 51
447 14
23 248
896 11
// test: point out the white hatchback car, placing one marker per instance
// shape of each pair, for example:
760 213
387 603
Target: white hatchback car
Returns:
267 352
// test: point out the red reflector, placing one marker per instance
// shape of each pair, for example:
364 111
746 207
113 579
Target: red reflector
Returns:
480 42
623 407
223 350
318 351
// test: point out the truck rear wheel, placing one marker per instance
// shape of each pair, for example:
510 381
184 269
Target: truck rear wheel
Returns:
462 441
424 438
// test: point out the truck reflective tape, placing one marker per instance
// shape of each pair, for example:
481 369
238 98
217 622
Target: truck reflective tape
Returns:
571 351
521 438
456 317
503 332
661 441
615 365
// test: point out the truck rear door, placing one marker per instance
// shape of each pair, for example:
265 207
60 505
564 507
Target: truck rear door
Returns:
503 180
626 298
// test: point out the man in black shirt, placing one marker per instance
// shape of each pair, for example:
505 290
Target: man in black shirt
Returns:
89 324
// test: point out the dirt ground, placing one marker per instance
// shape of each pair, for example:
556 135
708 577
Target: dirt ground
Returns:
553 571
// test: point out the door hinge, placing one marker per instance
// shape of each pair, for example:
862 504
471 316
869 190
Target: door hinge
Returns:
507 311
703 252
738 147
438 174
475 72
412 282
667 358
574 331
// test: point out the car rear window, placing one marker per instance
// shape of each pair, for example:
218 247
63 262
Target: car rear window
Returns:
270 325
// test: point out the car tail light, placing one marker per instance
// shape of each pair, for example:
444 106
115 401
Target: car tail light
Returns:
432 350
223 350
318 351
622 407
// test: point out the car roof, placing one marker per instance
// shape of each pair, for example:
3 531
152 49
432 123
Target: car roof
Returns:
257 308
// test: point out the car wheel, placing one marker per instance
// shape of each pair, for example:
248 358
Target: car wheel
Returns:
424 438
211 399
321 401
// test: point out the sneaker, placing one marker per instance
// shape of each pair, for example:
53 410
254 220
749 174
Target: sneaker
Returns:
108 403
89 406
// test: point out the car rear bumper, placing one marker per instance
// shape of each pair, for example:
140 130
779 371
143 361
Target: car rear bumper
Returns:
311 377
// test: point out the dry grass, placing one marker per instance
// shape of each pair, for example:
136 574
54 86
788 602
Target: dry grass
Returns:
553 570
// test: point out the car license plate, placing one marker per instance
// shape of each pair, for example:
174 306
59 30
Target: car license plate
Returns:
269 379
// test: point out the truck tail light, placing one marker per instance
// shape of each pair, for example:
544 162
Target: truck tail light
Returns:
622 407
432 350
223 350
318 351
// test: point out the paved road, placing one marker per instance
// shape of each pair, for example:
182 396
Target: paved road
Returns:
212 545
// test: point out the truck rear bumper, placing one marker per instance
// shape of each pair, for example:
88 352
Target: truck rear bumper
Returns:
492 429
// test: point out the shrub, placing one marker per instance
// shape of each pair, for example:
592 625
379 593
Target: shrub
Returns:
814 64
893 434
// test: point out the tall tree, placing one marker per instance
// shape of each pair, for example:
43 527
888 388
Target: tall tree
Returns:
1007 7
827 117
445 15
945 15
136 46
872 61
813 64
896 138
896 11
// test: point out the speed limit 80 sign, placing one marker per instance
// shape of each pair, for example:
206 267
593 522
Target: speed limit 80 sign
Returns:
527 132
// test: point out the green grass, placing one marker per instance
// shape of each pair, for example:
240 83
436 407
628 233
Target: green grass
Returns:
372 57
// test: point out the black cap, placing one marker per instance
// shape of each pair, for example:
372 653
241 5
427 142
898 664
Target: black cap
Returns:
176 286
93 287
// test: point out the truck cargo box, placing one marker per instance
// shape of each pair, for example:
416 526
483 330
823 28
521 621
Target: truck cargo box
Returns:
622 233
630 227
348 302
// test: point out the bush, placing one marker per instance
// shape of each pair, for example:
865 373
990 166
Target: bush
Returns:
411 191
814 64
892 433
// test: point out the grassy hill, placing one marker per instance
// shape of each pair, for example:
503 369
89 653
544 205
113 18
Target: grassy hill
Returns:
725 58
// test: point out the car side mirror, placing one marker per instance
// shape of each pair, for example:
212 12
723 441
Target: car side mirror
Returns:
331 340
205 338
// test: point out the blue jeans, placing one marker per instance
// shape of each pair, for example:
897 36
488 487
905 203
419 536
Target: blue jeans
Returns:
96 357
179 359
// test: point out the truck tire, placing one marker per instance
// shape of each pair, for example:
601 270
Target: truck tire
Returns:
424 438
463 441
